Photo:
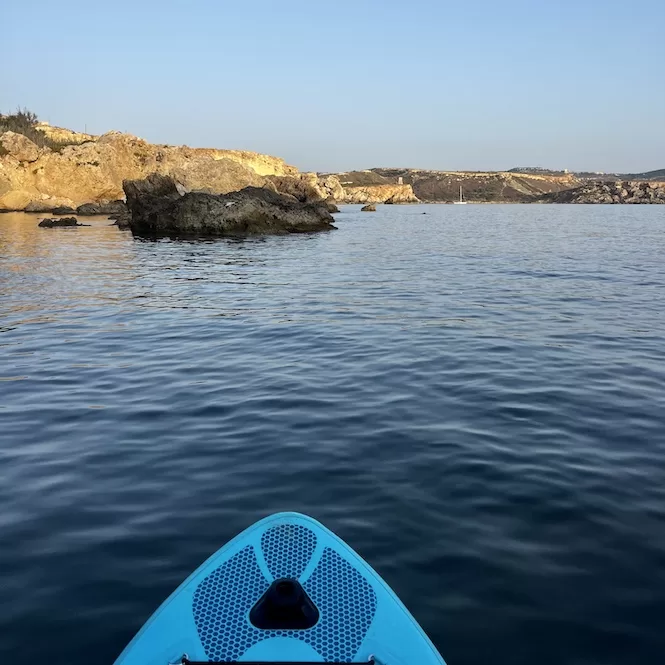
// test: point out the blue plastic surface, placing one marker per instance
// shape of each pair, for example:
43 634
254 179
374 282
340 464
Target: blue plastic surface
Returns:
207 617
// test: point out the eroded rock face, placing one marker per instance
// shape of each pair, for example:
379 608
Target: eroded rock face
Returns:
331 188
94 169
302 189
50 204
158 209
15 200
20 147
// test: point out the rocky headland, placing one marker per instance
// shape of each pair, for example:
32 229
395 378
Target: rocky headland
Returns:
66 170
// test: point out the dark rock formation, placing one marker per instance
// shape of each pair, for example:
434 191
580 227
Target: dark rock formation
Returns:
63 210
62 222
122 221
331 205
158 209
610 192
368 208
102 208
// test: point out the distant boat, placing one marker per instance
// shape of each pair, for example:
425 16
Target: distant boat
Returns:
461 201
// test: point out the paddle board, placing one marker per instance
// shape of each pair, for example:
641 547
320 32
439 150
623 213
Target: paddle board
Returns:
285 590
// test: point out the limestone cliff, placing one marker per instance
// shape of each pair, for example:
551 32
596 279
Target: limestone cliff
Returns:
379 194
370 187
93 168
62 135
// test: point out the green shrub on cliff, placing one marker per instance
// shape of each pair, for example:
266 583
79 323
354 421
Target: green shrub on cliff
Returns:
25 122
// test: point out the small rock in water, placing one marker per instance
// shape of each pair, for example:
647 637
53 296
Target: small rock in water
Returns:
102 208
368 208
331 205
62 222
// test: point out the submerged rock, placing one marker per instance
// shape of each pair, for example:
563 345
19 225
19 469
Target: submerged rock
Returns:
123 223
368 208
158 209
62 222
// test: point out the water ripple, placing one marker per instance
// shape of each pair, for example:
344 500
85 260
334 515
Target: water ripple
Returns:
473 399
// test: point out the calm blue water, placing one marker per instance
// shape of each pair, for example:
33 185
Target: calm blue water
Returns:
474 399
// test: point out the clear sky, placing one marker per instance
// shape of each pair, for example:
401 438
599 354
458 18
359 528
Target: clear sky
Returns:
352 84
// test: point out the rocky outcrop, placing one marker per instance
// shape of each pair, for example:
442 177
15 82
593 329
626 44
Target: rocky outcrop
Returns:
102 208
63 135
330 188
611 192
49 205
14 200
61 222
379 194
19 147
368 208
366 187
301 188
331 205
159 209
93 170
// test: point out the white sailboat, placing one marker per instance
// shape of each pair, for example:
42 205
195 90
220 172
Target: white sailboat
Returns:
461 201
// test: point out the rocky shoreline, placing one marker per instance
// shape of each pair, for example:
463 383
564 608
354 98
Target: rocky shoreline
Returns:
70 173
86 176
625 192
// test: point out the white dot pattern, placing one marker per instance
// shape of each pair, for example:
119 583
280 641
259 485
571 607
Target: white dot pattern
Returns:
346 603
287 549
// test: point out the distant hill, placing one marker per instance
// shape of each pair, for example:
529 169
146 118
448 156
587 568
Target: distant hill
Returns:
658 175
443 186
537 170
